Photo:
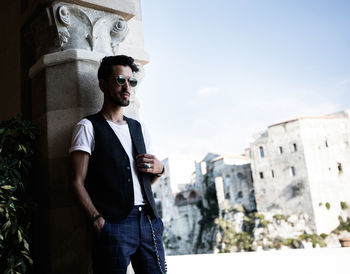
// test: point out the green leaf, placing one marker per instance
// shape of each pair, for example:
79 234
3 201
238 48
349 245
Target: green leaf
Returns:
19 236
26 245
7 187
6 225
29 259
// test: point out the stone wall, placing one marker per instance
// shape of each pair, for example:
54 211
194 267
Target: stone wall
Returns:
301 165
327 154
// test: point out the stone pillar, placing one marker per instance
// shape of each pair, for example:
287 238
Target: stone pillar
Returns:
63 43
220 194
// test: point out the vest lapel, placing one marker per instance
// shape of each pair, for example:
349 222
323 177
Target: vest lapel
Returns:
136 135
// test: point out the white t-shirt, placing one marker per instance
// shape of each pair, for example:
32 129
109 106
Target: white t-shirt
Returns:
83 138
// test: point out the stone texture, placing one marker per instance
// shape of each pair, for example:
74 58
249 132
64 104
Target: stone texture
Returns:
70 241
60 186
125 8
61 26
56 130
78 86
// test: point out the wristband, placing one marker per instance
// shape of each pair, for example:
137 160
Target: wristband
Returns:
98 216
162 173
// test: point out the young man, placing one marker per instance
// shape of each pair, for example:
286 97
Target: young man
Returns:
113 170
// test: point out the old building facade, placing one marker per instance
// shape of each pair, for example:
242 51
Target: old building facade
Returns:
295 182
303 166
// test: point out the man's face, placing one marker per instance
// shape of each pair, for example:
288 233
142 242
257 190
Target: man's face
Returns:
113 92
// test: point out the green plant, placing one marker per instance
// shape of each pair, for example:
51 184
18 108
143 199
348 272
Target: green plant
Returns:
17 139
242 240
343 225
328 206
292 243
280 217
315 239
344 205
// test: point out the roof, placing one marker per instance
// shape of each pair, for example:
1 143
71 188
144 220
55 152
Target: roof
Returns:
233 157
337 115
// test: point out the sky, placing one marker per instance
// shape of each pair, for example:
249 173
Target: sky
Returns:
221 71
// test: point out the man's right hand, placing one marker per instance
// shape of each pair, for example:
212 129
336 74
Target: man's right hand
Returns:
99 224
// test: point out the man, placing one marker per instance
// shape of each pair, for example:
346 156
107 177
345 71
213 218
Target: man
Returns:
113 170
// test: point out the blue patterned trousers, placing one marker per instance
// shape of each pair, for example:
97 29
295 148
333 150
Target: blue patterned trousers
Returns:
127 240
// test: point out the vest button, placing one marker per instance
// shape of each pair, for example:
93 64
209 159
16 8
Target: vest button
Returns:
128 168
129 180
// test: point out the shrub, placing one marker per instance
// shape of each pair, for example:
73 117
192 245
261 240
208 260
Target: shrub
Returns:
315 239
344 205
16 151
328 206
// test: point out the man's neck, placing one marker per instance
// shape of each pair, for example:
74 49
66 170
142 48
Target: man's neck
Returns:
114 114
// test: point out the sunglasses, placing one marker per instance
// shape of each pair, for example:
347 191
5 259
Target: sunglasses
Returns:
121 81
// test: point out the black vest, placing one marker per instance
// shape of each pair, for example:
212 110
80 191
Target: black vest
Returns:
109 181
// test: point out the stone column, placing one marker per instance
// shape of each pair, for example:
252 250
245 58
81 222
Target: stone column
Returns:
63 43
220 194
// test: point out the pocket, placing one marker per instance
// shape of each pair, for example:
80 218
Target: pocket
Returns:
104 228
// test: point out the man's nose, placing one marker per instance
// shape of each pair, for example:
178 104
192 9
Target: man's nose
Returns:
127 85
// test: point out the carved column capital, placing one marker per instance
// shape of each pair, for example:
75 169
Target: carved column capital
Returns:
61 26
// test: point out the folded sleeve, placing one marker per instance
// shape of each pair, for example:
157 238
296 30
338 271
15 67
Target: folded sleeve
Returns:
83 137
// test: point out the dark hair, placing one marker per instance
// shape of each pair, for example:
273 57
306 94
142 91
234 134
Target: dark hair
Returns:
105 69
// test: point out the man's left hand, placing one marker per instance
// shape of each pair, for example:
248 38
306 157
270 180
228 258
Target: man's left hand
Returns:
148 163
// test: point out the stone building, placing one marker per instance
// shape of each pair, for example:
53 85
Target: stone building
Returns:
163 194
303 166
179 211
52 50
232 177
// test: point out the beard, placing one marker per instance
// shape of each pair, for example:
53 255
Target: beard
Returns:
119 102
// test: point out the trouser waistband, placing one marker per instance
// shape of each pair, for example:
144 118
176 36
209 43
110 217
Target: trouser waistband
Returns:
144 208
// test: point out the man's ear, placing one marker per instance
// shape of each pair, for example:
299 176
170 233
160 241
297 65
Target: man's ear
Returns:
102 85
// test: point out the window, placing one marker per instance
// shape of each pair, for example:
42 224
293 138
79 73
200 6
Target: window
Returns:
340 168
295 148
240 176
261 175
292 169
281 150
272 173
261 150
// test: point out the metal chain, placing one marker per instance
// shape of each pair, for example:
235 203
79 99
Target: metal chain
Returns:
156 248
